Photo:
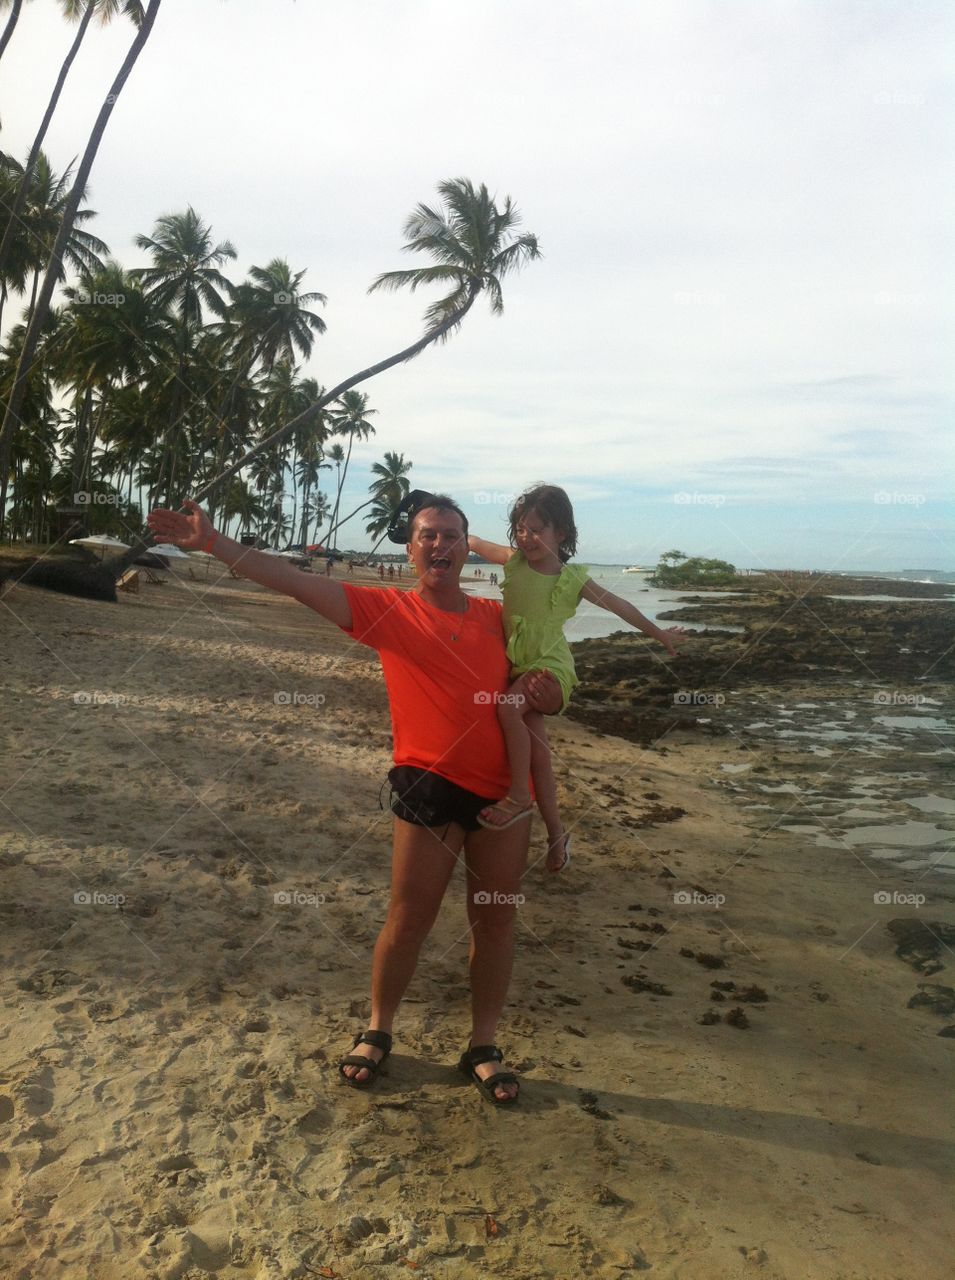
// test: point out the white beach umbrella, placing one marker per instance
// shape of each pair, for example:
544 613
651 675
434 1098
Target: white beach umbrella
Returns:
169 550
102 542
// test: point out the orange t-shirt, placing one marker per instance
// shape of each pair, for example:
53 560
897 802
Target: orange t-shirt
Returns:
441 671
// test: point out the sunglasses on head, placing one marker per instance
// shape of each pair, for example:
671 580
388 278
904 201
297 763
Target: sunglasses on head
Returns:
400 528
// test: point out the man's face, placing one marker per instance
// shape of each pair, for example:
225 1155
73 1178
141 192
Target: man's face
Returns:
438 546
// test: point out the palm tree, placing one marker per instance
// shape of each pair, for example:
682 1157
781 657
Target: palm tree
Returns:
184 278
475 246
71 10
350 420
390 485
11 23
54 266
37 229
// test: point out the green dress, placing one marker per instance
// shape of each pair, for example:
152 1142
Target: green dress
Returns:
536 606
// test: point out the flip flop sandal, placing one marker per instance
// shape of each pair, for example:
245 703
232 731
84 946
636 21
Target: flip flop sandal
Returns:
566 863
379 1040
519 816
474 1057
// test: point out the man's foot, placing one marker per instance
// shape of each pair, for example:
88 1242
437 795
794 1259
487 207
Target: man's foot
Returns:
373 1046
558 854
481 1063
505 813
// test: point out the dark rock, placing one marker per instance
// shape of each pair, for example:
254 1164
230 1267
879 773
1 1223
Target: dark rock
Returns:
736 1018
920 942
935 999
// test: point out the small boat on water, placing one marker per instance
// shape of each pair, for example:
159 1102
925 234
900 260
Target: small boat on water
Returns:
638 568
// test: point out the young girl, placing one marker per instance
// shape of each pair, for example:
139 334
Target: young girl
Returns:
541 591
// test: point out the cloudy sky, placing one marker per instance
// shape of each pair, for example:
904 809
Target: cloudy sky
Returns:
734 343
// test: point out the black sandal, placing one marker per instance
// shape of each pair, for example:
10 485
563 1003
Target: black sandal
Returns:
474 1057
379 1040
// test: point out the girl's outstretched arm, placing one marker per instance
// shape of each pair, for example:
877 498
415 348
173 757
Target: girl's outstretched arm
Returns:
493 552
668 637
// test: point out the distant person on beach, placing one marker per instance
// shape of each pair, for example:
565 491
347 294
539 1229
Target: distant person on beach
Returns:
541 592
443 658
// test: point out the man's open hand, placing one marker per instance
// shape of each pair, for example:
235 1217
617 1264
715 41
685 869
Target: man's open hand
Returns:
190 532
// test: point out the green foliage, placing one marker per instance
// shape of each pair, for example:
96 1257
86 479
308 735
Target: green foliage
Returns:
677 569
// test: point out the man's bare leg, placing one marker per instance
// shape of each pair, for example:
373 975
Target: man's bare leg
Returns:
495 862
421 866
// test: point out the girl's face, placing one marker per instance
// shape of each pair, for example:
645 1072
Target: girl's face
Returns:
536 537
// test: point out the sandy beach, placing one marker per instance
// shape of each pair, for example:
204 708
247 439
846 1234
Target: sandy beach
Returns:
721 1074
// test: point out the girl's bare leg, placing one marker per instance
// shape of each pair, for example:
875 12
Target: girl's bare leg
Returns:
545 787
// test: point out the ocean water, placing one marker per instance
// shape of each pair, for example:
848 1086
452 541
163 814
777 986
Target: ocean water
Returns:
592 621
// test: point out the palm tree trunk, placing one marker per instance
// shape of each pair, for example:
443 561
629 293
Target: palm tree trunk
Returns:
345 519
11 23
19 199
38 319
301 419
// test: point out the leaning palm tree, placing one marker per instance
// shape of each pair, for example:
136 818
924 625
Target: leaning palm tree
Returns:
11 22
387 489
474 245
107 9
54 266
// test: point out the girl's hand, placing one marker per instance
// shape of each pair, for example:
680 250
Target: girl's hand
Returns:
189 531
671 638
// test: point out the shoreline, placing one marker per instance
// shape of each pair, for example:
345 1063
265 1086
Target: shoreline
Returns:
169 1062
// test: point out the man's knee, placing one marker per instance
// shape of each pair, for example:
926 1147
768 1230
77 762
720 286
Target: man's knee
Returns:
409 921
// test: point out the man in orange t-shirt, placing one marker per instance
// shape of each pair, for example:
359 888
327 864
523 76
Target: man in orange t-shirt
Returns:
443 658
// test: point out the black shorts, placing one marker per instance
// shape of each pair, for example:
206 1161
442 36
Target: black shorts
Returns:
426 799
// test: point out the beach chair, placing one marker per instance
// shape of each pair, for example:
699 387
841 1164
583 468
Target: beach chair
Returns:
129 581
153 577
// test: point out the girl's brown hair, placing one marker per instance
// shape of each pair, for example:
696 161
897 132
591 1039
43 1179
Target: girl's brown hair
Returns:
553 506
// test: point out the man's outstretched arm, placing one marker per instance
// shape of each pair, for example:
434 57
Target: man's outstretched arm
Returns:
192 530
